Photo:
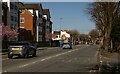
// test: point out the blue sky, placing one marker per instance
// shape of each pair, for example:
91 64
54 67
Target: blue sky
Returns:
73 14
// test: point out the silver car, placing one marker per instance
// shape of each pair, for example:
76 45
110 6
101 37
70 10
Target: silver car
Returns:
22 49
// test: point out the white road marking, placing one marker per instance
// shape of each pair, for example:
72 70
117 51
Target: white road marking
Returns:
43 60
24 65
90 71
69 51
5 71
94 70
5 59
33 62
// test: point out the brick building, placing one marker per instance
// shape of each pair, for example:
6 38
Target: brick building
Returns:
31 18
27 26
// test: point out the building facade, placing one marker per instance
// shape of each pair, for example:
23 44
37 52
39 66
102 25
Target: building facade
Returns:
27 26
32 17
14 15
4 13
47 26
10 16
10 20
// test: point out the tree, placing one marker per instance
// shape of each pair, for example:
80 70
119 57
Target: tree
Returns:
82 37
115 33
94 34
75 35
6 31
103 14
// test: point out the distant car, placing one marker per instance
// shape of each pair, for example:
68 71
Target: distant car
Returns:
67 45
91 43
77 42
22 49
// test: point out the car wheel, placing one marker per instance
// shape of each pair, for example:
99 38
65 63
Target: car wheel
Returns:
10 56
34 54
26 55
70 47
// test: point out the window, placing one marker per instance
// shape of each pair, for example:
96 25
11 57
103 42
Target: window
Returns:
56 36
11 6
12 18
2 13
15 19
16 8
22 11
15 26
40 24
39 33
12 26
47 27
22 20
40 16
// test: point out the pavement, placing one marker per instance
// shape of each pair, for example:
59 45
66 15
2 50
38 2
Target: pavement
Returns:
109 62
79 59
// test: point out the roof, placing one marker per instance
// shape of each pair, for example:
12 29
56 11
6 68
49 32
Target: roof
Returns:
46 12
21 5
32 6
56 32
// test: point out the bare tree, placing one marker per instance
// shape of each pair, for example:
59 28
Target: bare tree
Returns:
94 34
103 14
75 35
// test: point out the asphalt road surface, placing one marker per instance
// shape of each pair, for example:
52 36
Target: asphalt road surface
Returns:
79 59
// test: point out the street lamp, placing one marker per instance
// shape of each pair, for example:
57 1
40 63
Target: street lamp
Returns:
60 23
60 33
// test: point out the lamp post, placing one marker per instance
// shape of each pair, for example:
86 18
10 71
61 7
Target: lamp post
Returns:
60 33
60 23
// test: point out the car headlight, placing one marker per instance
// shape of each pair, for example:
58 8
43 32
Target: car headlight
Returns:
20 48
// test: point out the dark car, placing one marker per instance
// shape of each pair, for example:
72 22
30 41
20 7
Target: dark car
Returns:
22 49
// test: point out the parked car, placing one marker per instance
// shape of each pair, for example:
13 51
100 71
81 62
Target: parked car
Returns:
22 49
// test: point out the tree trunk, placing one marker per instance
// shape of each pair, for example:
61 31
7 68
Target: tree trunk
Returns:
107 37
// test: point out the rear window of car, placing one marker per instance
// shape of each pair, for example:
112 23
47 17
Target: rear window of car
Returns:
65 43
19 44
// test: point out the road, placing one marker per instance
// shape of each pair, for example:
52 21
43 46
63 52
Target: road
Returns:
79 59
